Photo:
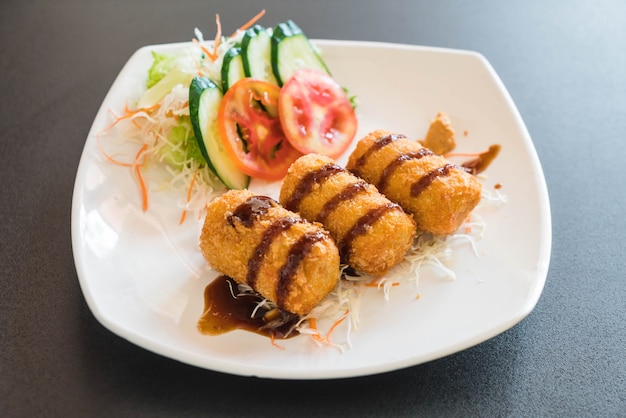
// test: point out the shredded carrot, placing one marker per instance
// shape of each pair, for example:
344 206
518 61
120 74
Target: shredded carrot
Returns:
203 48
377 283
128 113
249 22
335 325
135 123
274 343
142 185
193 180
137 163
313 326
183 217
109 158
218 37
460 154
216 42
195 61
317 336
144 191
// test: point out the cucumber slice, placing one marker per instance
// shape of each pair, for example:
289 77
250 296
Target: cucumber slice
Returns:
256 47
232 68
204 101
292 50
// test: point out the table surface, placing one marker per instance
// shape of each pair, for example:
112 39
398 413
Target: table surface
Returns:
564 67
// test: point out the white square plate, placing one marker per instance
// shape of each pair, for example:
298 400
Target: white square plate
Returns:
143 276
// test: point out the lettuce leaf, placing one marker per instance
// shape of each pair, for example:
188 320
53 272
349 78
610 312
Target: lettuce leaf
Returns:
181 146
161 65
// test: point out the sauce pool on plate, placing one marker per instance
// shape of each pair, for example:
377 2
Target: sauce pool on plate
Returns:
226 309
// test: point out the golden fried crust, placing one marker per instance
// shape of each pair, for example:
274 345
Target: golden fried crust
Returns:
372 251
441 206
228 244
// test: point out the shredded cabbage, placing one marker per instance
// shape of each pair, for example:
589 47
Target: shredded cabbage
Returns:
427 251
160 120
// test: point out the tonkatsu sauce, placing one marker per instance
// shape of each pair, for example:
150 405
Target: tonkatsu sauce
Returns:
347 193
361 226
419 186
251 209
378 144
483 160
225 310
307 182
400 159
297 252
276 228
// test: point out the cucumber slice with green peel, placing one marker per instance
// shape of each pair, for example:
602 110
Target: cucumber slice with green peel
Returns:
204 101
232 68
292 50
256 47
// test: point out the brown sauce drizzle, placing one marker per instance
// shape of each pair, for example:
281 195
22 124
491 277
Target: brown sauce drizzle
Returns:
276 228
251 209
419 186
393 166
307 182
483 160
297 252
378 144
361 226
226 309
347 193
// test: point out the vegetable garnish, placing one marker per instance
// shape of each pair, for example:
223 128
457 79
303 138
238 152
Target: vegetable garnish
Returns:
139 158
249 23
175 118
323 339
250 129
204 49
189 193
128 114
316 114
218 36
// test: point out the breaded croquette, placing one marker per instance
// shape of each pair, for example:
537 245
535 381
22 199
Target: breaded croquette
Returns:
254 240
373 234
438 193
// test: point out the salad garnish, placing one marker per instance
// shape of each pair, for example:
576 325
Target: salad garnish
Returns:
211 114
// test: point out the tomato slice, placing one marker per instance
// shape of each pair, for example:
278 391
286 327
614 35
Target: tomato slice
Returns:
251 132
316 114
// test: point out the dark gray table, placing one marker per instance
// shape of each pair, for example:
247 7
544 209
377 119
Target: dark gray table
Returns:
565 67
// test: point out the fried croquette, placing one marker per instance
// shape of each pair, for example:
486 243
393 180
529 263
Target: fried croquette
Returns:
254 240
373 234
438 193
